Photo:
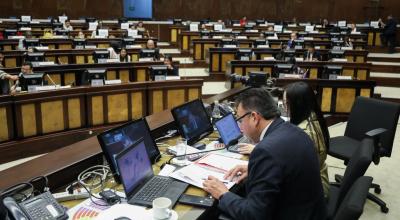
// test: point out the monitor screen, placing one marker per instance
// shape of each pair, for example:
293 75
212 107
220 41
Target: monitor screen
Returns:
228 129
31 43
28 82
101 56
336 54
243 54
35 57
192 121
117 139
9 33
134 167
138 8
147 53
331 70
128 41
283 68
57 25
158 73
79 43
61 32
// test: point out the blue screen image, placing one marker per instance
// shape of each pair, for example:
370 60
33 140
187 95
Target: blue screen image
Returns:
228 129
138 8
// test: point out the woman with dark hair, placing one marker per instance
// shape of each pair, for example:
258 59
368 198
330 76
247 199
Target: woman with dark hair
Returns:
172 70
123 56
303 110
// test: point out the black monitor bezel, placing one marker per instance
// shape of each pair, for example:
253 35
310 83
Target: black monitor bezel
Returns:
153 158
196 138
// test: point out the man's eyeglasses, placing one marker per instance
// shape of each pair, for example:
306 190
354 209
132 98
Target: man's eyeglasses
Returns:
240 119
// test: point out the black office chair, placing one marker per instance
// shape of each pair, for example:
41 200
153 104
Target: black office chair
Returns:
353 203
372 118
358 164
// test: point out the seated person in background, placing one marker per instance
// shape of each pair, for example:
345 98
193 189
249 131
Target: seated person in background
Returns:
281 54
26 68
5 77
293 37
1 59
295 68
294 21
80 35
311 54
113 50
348 42
325 23
67 26
151 45
353 28
172 70
142 30
243 21
303 110
123 56
282 177
28 35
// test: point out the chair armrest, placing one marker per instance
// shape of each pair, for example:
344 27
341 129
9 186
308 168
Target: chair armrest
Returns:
375 132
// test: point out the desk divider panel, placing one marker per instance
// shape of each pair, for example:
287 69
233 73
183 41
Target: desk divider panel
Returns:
134 57
313 73
69 78
175 97
174 34
157 102
141 75
326 99
97 110
124 76
378 41
185 42
4 135
28 120
56 78
215 62
111 74
137 108
194 94
74 113
370 38
80 59
117 107
224 59
344 99
52 116
360 59
10 62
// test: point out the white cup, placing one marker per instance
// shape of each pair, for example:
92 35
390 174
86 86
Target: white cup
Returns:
161 208
181 145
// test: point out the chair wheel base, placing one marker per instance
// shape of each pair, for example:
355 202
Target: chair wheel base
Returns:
377 190
384 209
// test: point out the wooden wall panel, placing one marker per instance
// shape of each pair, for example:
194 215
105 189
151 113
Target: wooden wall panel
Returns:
52 116
175 97
117 108
137 105
74 113
345 99
4 124
28 120
97 110
157 101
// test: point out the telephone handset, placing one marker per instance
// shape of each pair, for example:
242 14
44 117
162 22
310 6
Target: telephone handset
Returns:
43 206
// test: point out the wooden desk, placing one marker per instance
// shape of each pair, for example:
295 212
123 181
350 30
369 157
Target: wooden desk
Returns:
359 71
71 73
31 119
67 43
63 165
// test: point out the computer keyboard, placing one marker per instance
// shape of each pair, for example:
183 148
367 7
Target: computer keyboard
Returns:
156 187
234 148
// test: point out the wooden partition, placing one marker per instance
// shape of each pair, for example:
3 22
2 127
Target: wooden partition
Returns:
359 71
31 116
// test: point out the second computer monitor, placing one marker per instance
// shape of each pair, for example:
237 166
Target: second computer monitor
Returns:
114 141
192 120
228 129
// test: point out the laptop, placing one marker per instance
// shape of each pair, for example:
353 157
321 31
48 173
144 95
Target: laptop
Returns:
230 132
117 139
140 184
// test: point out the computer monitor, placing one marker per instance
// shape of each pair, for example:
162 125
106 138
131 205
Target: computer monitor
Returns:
289 53
115 140
298 44
257 79
34 57
177 21
9 33
22 24
101 56
243 54
259 42
89 20
278 28
158 73
205 34
260 21
302 34
228 129
128 42
248 27
29 82
148 53
342 24
31 43
228 42
192 120
61 32
282 68
57 25
93 77
236 33
235 22
204 21
338 54
122 20
79 43
331 71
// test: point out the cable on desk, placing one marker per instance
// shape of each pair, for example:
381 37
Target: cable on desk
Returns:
17 190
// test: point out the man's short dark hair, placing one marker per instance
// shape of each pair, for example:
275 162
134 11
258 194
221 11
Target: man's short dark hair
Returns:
259 100
27 63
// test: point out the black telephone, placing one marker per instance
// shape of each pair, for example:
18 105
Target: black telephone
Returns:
43 206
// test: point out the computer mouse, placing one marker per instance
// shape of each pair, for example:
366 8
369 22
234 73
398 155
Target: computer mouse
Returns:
122 218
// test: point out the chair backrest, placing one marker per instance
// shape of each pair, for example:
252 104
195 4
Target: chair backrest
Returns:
357 166
368 114
353 204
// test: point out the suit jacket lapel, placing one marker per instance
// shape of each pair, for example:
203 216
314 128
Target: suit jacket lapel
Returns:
275 123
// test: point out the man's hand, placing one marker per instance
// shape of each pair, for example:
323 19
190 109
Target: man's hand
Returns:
215 187
12 77
239 172
246 148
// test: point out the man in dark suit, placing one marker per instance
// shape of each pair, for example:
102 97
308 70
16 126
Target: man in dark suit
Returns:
282 177
311 54
389 33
